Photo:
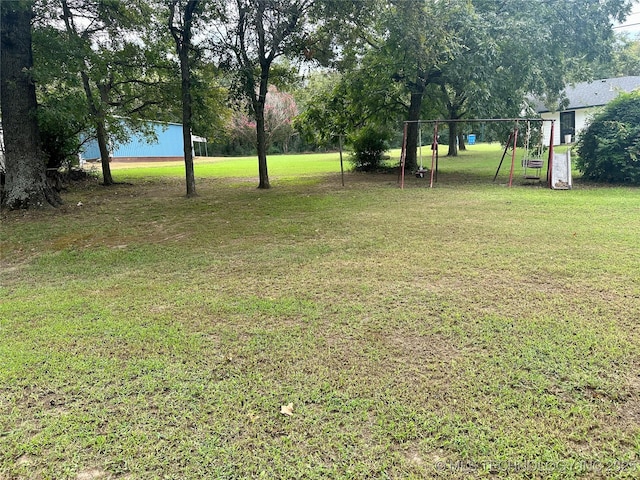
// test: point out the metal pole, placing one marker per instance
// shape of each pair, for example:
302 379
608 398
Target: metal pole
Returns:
403 155
513 153
504 154
420 144
341 163
434 152
550 160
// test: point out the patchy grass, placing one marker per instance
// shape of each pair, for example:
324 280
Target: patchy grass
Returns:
467 331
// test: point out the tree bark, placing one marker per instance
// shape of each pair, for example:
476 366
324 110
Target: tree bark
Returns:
186 126
101 135
461 145
26 184
96 109
182 40
453 137
411 154
261 135
190 177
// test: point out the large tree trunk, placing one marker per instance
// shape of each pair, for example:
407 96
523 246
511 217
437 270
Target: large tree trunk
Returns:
26 183
262 148
261 135
411 154
453 137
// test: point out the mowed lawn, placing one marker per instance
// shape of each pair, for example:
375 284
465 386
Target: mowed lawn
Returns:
465 331
240 167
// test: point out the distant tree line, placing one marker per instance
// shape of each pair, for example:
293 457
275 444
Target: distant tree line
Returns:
230 71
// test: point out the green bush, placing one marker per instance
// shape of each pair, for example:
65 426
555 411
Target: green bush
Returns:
609 149
369 144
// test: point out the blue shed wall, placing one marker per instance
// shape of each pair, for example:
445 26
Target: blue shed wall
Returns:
169 144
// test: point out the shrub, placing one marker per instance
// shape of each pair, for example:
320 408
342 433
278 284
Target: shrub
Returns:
609 149
369 144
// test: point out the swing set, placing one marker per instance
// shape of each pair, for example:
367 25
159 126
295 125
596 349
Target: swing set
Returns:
532 162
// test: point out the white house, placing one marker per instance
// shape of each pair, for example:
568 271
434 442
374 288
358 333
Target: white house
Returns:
584 100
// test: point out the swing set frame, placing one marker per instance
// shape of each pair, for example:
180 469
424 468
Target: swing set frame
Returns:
511 143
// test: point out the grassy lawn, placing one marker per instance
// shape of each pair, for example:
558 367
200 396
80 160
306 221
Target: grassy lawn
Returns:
292 166
465 331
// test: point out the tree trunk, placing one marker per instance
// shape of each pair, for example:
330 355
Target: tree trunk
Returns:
26 184
411 154
261 134
101 134
186 125
453 137
97 115
461 144
262 148
183 45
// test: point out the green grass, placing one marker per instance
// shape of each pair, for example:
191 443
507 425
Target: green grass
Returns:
225 167
465 331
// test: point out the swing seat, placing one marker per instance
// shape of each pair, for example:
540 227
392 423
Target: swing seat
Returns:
533 164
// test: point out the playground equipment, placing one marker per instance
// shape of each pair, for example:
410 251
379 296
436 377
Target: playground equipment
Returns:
532 162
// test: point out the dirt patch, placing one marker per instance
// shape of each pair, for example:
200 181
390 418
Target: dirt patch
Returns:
629 410
91 474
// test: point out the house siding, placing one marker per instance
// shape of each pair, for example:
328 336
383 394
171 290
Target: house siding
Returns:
585 99
583 115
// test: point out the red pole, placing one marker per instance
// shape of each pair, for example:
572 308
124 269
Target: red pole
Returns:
403 155
434 152
550 160
513 153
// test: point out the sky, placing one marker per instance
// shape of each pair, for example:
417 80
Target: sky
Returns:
632 23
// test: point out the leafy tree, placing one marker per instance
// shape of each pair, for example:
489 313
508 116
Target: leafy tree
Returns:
26 183
479 58
99 48
252 34
62 119
279 112
405 49
182 16
609 149
323 114
624 60
627 58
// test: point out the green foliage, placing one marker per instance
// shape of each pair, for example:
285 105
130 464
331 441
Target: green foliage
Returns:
623 61
609 150
63 122
324 110
369 143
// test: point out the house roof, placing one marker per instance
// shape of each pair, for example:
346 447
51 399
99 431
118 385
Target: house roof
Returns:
594 94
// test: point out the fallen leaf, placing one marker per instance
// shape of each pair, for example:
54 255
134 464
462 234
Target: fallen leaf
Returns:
287 409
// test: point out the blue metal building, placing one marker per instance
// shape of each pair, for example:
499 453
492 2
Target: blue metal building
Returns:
167 147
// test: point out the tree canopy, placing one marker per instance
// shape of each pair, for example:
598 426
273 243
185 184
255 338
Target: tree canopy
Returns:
373 64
